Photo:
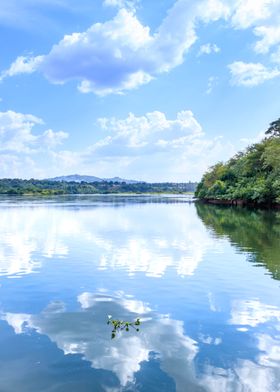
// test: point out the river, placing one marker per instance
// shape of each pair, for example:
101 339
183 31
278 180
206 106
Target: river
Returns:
204 281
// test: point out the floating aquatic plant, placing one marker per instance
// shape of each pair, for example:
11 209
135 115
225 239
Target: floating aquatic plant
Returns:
120 325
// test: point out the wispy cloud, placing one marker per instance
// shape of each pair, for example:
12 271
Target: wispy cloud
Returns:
129 4
251 74
212 81
208 48
29 14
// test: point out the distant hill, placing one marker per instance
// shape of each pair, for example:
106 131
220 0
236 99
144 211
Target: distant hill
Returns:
79 178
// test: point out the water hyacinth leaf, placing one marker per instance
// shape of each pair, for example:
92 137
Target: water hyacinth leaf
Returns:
120 325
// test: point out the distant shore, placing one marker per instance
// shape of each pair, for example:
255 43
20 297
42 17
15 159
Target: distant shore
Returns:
52 188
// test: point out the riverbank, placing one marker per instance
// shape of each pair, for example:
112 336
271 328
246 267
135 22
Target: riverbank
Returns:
240 202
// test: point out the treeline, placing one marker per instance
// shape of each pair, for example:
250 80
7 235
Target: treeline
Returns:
48 188
252 176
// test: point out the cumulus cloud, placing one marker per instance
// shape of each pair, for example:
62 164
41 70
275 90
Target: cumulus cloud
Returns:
122 53
16 133
263 16
52 139
20 142
251 74
270 36
246 13
174 148
150 132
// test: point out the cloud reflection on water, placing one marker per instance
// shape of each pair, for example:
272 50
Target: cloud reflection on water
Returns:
114 238
85 332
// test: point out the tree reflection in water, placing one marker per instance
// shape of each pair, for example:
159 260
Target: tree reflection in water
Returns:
249 230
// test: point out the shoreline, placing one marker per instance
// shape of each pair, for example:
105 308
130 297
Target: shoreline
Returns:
240 203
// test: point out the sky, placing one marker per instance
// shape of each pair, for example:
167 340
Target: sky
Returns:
141 89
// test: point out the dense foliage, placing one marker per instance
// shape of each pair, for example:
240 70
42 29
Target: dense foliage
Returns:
255 232
252 176
47 187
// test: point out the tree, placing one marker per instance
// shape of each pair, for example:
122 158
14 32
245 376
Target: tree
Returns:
274 128
252 176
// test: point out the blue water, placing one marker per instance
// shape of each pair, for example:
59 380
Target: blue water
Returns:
204 285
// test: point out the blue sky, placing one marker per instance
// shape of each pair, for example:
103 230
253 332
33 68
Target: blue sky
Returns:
151 90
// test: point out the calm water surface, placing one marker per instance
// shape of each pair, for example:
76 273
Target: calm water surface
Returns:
204 281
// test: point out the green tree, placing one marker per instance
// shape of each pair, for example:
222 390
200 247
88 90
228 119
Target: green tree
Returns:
274 128
252 176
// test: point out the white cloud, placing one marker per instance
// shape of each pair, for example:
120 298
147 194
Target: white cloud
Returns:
251 74
21 65
212 81
152 131
246 13
260 136
208 48
20 166
51 139
270 36
122 54
16 133
263 16
21 141
175 149
107 58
